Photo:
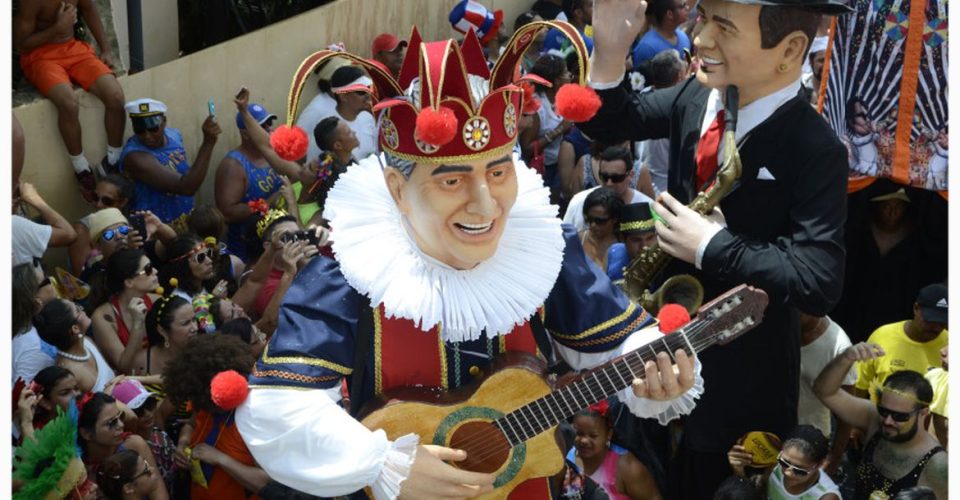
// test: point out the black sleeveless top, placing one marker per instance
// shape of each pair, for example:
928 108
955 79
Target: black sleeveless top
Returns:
869 478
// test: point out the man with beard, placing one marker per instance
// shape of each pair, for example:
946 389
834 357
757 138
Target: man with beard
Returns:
899 453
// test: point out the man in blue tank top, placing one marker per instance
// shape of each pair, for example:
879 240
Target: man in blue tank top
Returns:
157 161
244 175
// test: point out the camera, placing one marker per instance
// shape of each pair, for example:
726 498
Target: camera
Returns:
304 235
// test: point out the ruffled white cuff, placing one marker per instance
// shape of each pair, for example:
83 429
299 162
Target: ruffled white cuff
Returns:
396 467
664 411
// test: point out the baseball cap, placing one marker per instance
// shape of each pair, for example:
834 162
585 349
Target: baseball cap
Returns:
900 194
932 300
259 114
131 393
386 42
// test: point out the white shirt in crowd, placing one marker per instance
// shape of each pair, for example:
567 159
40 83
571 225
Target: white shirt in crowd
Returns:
323 106
574 215
29 239
813 359
28 357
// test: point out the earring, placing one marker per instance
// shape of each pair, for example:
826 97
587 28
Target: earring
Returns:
782 67
166 342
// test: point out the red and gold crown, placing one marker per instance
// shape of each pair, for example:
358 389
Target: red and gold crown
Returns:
447 104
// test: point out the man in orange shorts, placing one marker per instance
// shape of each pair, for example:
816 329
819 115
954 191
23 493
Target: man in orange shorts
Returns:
52 58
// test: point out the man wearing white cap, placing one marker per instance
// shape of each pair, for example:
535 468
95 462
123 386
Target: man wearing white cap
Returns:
157 161
815 60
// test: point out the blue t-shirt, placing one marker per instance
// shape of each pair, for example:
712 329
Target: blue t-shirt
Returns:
556 40
261 184
653 43
617 259
166 206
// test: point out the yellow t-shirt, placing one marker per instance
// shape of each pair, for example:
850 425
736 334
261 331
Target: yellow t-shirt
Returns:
902 354
938 379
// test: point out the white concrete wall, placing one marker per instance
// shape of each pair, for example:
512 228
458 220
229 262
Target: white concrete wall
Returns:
264 61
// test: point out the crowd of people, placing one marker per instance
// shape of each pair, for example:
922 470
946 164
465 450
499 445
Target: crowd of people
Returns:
841 392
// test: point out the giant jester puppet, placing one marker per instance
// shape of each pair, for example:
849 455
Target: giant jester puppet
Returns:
449 261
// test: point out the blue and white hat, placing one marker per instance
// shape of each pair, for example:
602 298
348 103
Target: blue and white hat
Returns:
469 14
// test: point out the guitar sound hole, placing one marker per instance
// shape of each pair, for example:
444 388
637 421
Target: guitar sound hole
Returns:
487 449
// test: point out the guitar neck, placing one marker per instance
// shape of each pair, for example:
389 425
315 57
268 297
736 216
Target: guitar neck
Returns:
596 385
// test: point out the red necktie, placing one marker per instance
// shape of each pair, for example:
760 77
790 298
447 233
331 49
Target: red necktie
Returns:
707 150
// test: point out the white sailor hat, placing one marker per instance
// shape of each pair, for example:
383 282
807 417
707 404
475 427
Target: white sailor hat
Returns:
145 107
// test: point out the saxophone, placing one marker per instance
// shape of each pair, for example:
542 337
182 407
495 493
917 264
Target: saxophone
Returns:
650 262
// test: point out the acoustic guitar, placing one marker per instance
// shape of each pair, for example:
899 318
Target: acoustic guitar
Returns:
507 422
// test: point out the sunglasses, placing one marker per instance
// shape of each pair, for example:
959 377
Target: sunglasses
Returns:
897 416
106 200
800 471
144 472
45 281
147 270
201 257
139 129
615 178
597 220
109 234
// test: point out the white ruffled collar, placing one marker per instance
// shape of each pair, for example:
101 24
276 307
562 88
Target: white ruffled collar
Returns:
379 258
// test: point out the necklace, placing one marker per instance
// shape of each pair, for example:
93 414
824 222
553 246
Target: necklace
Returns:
75 357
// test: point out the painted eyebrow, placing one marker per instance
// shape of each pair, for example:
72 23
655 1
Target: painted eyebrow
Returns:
720 19
447 169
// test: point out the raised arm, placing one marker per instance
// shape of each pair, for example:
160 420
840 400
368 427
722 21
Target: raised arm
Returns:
145 168
857 412
261 139
63 233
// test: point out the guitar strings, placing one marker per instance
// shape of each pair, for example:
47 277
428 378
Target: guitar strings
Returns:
493 447
593 386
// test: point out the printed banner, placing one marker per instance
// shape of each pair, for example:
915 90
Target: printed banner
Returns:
886 93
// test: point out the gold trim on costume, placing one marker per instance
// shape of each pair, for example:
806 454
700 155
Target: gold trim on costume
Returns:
602 326
446 159
377 350
444 376
301 360
612 337
642 225
294 376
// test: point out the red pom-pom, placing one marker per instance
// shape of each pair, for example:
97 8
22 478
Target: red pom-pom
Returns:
436 127
672 317
228 389
576 103
289 142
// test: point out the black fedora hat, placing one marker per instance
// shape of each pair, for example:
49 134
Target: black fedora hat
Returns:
828 7
636 218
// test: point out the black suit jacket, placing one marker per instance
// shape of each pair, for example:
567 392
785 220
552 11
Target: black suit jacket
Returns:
783 235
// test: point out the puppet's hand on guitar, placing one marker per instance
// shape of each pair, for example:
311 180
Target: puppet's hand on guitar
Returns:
665 380
430 477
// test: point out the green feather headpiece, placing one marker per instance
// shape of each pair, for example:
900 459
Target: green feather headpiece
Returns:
48 464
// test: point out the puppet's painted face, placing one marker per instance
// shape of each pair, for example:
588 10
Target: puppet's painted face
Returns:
457 211
729 52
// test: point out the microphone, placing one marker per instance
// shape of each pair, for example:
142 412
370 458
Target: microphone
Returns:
672 317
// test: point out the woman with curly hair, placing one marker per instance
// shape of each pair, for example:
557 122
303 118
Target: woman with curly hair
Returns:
192 263
212 437
131 276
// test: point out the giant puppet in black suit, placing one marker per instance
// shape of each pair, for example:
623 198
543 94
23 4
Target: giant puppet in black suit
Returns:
781 226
